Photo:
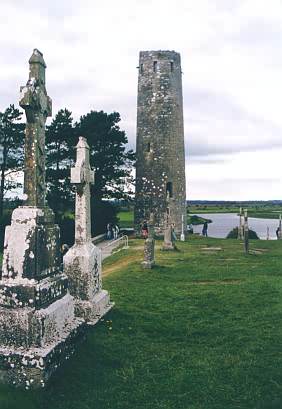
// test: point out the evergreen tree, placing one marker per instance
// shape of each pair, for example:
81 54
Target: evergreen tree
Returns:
59 159
108 154
112 164
12 142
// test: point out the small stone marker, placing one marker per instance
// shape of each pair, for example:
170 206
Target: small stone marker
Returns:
82 263
37 321
168 243
246 232
149 245
182 235
241 226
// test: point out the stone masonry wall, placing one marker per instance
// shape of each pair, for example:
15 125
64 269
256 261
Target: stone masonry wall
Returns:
160 167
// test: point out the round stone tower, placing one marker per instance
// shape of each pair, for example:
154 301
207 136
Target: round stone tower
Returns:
160 165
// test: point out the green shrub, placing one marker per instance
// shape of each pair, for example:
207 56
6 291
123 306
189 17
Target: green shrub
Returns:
195 220
233 234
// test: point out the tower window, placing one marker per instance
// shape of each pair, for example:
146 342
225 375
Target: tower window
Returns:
169 192
171 66
155 66
141 69
148 147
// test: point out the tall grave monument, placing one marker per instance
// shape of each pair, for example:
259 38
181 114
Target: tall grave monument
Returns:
160 165
82 263
37 321
149 246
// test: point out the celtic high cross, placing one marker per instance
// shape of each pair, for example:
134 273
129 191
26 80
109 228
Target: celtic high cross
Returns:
38 106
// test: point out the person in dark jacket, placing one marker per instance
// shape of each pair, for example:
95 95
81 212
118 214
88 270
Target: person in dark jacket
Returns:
205 229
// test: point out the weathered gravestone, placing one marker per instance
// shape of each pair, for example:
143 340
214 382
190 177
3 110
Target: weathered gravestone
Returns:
168 243
37 321
149 245
182 235
246 232
82 263
241 226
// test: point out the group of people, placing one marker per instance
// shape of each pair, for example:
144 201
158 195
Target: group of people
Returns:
112 231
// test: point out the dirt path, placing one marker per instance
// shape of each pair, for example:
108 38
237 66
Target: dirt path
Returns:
119 264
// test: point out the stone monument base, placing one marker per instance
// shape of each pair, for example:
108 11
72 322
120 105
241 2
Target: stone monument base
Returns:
82 265
93 311
148 264
37 320
37 342
31 368
168 246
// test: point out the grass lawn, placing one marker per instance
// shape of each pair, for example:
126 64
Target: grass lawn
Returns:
202 330
126 219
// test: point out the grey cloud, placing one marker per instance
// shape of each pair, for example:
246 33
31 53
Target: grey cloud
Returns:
207 160
234 189
215 124
56 9
259 32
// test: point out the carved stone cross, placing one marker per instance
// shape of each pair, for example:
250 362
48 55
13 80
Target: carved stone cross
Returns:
149 245
38 106
82 176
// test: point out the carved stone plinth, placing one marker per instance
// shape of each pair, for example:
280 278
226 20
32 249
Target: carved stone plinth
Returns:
82 264
37 318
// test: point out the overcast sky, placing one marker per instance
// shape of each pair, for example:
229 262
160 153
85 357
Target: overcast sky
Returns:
232 84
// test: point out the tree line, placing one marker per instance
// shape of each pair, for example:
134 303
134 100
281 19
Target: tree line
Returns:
109 157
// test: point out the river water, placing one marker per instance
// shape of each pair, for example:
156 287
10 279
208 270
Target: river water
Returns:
222 223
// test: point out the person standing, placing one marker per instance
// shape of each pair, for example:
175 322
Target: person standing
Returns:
116 231
145 229
109 231
205 229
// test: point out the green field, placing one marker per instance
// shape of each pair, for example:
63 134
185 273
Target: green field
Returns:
125 219
200 331
264 212
261 211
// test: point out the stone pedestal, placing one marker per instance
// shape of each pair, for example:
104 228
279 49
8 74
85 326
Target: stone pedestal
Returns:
82 263
37 320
